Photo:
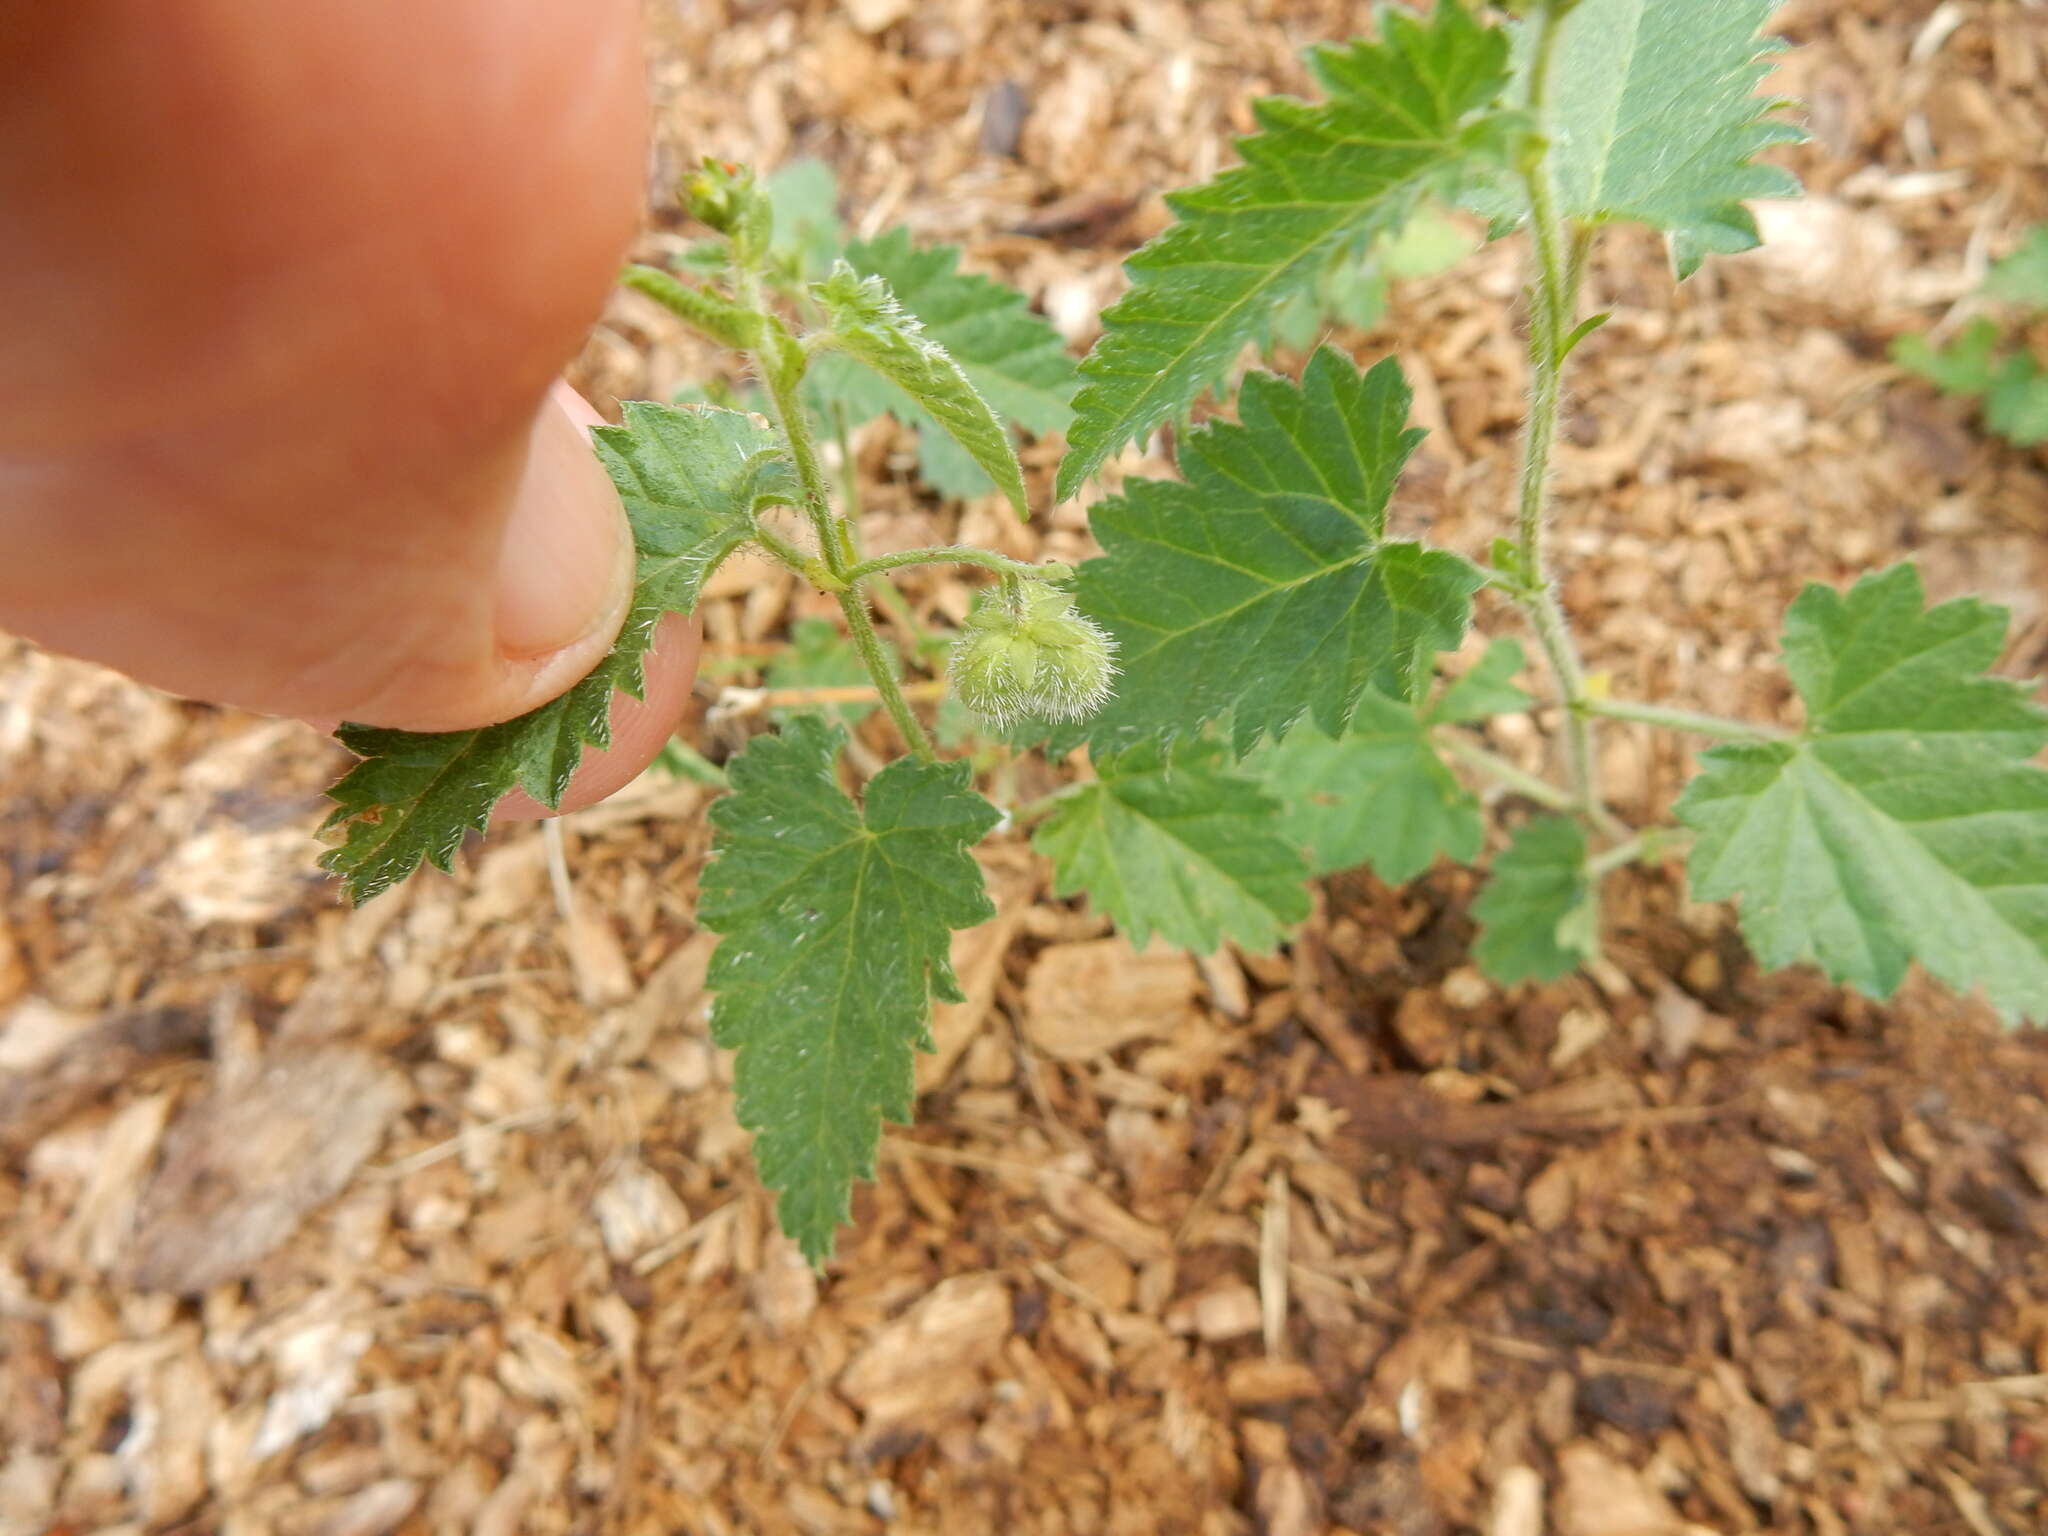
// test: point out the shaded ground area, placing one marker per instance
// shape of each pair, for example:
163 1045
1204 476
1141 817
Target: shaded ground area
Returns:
434 1216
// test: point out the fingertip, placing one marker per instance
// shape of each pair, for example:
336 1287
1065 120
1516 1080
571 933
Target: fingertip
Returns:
640 727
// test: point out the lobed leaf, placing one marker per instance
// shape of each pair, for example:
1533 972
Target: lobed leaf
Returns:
869 325
804 195
1539 916
1965 366
1653 117
1907 822
1174 843
1381 795
691 481
1403 116
835 924
1486 690
1262 588
2016 404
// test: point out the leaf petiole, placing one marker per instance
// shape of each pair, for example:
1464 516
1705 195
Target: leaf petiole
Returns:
1648 845
1720 727
961 554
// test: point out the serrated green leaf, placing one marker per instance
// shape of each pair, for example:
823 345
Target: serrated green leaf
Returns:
1403 117
2022 277
1176 844
1487 690
835 924
1539 915
1379 795
1262 589
1012 356
870 326
1653 117
1965 366
819 656
691 481
1907 822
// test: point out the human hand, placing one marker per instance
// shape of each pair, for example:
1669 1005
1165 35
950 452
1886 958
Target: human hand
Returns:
283 296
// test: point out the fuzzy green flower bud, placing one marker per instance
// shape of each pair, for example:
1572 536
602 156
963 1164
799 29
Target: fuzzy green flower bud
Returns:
1025 654
729 199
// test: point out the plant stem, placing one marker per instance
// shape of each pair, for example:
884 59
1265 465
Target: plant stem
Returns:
1035 811
1720 727
1650 843
749 701
781 360
1550 311
782 366
854 605
956 554
1523 783
809 567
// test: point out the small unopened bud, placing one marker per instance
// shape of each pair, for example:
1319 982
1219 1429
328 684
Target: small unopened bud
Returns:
731 201
1025 654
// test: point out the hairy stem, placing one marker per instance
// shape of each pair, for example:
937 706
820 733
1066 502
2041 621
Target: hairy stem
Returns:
810 567
854 605
1720 727
1648 844
959 554
781 366
1494 766
1553 302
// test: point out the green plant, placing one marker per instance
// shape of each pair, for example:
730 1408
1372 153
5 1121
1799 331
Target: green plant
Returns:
1279 710
1987 361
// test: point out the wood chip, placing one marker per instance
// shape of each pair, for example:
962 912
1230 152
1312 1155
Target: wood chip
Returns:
245 1164
1084 1000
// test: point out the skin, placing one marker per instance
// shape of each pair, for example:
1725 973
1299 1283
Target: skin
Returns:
284 296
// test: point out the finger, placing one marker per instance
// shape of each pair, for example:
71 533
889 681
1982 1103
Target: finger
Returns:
640 727
281 303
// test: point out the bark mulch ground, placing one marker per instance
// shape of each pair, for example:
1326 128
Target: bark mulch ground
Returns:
434 1216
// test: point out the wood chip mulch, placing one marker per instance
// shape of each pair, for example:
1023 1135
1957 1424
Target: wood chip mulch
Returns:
434 1216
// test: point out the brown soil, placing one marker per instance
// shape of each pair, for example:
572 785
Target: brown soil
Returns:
435 1216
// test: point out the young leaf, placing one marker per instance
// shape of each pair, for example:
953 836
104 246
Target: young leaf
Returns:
805 197
1175 843
1404 116
1965 366
1654 117
1907 822
2016 404
691 481
835 921
870 326
1539 915
1014 358
1262 587
1487 690
1380 794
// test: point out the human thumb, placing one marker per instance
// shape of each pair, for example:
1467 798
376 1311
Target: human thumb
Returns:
565 568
